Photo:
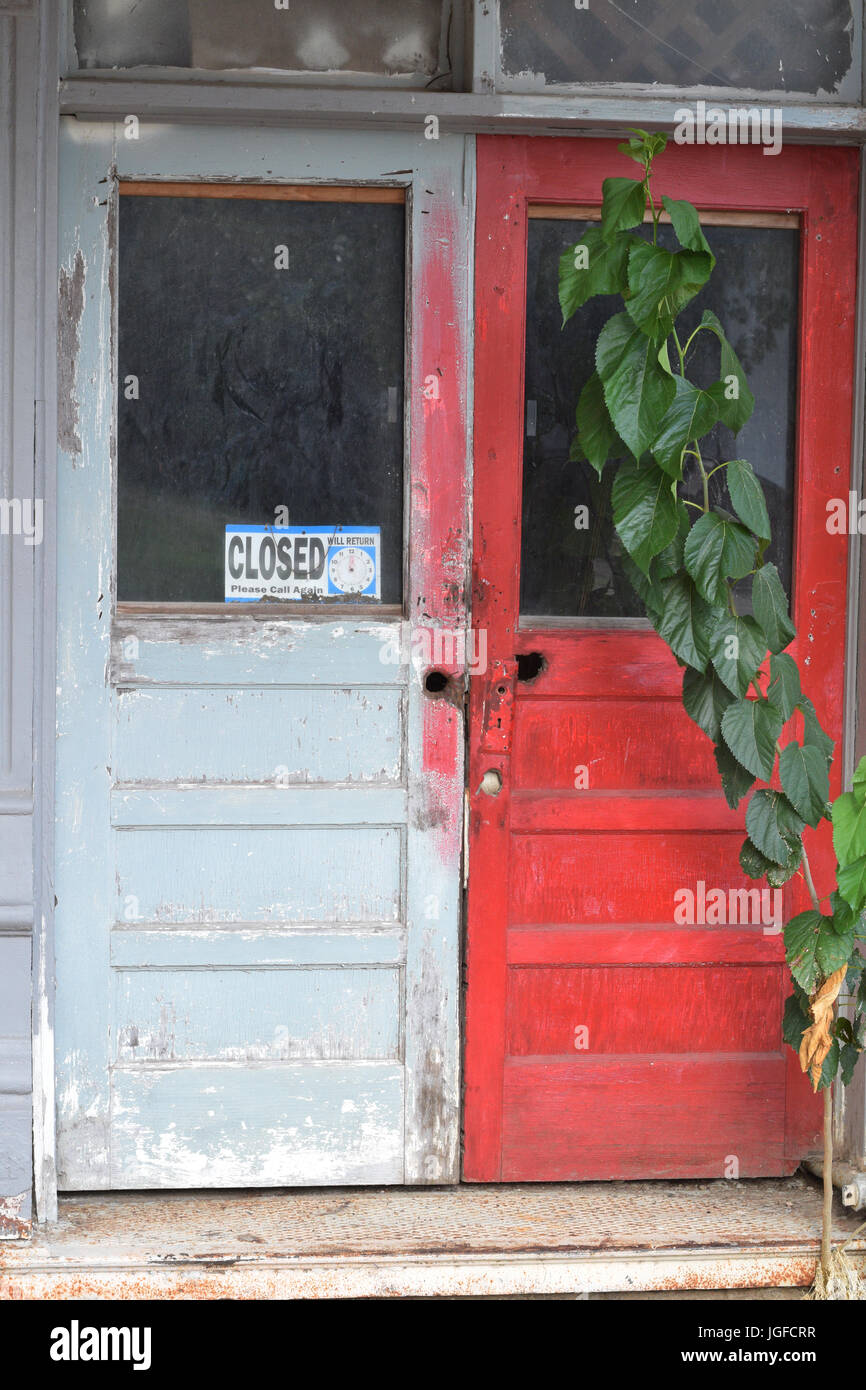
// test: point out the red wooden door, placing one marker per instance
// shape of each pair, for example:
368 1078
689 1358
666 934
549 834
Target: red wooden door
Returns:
605 1037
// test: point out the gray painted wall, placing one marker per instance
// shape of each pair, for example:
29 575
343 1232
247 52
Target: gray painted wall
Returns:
29 31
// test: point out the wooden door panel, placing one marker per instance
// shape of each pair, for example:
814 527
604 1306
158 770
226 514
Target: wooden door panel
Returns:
555 739
610 804
555 1011
634 1117
615 877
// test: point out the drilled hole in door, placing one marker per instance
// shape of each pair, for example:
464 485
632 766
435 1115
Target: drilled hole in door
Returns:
530 666
435 682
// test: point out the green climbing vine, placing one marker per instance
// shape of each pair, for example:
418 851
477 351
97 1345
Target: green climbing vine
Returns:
689 562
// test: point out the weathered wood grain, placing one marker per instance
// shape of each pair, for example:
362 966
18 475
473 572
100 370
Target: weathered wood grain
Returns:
264 1015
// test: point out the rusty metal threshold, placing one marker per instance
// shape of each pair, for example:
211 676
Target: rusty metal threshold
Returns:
579 1238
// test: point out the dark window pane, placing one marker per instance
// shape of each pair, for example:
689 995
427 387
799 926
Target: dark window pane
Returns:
567 571
780 45
258 387
385 37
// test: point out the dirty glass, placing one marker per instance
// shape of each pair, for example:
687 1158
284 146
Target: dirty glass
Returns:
385 37
778 45
571 561
260 368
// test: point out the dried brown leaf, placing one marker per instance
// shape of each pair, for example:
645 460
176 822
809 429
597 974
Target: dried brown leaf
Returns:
816 1041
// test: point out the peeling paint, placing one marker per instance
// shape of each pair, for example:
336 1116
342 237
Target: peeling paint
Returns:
69 328
13 1226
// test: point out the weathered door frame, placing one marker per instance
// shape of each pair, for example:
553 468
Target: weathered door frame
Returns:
514 172
439 219
222 101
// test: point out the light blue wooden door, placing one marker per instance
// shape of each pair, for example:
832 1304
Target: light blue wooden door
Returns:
259 812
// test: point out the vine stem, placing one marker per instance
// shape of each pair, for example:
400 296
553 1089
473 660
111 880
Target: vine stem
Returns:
810 882
827 1214
827 1173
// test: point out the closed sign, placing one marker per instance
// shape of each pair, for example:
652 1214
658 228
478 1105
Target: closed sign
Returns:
301 562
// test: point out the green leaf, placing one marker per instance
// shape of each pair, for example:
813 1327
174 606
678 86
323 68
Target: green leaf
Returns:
737 648
848 1058
706 699
690 415
805 780
750 729
771 824
683 621
833 948
756 865
778 874
634 149
687 226
623 205
858 785
855 971
795 1021
637 390
747 496
605 271
647 145
851 879
771 608
849 829
801 941
784 692
718 549
661 282
813 734
647 590
753 863
598 439
732 394
644 511
830 1067
844 916
669 561
736 781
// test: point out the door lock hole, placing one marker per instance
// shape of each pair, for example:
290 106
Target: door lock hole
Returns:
530 666
491 783
436 682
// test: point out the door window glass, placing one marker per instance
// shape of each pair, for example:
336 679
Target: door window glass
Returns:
261 346
796 46
388 38
571 559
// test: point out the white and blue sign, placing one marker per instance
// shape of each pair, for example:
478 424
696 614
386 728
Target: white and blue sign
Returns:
301 562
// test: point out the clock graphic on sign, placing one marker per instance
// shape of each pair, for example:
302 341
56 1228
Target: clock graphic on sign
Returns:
351 569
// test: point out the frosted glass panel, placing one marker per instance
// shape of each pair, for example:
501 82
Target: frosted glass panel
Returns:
775 45
385 37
